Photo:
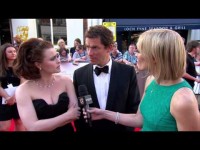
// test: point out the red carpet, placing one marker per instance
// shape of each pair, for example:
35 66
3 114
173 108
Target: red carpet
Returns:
12 127
137 129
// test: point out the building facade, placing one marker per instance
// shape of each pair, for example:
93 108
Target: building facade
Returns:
128 30
48 29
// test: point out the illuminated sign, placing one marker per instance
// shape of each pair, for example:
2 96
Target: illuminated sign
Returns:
147 27
112 27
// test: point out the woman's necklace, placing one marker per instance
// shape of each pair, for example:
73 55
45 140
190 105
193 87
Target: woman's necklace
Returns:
50 84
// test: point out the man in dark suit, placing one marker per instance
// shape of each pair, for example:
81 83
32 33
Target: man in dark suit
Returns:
115 90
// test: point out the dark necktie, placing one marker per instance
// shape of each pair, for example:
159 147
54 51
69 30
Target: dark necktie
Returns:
98 70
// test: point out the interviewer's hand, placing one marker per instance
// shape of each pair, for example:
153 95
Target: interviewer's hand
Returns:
96 113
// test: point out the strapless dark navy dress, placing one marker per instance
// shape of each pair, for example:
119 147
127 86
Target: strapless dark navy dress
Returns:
46 111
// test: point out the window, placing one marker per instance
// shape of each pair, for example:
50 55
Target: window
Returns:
58 31
44 29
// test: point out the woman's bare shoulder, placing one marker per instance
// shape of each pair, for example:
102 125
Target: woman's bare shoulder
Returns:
183 100
63 78
149 80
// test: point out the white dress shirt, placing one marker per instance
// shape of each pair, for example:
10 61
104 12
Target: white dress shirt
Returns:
101 83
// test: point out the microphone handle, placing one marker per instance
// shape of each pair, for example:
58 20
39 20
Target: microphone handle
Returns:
89 120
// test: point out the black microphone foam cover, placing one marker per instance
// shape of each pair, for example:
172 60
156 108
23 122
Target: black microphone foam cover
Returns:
82 90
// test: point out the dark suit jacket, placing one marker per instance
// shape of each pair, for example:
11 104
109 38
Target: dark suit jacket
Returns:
123 94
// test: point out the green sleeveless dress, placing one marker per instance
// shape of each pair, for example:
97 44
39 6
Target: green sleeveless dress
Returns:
155 107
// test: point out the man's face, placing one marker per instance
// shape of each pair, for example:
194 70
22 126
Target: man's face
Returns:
97 52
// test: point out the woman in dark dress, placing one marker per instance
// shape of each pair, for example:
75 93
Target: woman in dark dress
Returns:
77 42
46 101
8 107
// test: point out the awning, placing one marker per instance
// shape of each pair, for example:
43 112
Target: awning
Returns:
147 27
146 24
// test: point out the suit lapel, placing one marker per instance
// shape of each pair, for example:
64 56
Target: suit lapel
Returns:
91 86
112 86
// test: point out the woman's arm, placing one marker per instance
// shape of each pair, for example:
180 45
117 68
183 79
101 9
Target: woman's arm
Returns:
184 108
29 117
131 120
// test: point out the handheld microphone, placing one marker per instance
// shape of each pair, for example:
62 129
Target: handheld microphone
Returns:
84 100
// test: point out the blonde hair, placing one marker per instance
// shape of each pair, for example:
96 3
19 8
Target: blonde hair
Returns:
60 41
164 53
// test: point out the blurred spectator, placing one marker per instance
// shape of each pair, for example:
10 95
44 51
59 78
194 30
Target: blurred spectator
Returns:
116 54
17 41
80 55
40 38
63 51
193 48
198 57
77 41
8 81
129 56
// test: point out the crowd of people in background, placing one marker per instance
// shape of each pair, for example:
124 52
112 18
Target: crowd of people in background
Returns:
168 60
8 79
